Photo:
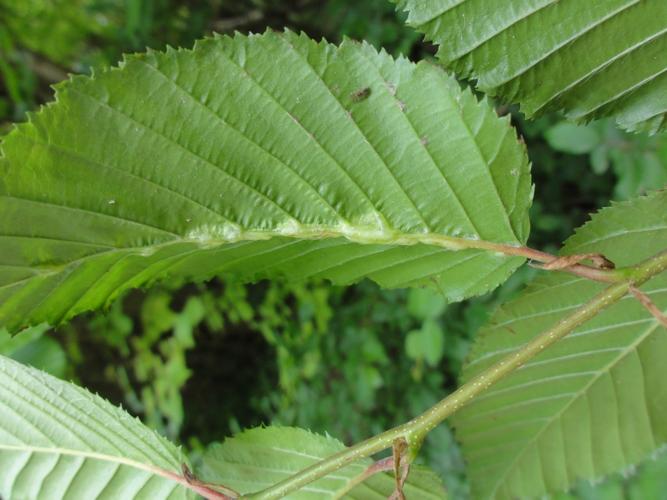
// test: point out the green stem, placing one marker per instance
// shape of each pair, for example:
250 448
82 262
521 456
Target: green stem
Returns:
415 430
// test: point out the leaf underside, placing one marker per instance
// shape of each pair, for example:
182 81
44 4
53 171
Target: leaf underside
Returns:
258 458
588 59
595 402
60 441
253 157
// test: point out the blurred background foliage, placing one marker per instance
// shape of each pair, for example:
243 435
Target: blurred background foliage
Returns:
201 361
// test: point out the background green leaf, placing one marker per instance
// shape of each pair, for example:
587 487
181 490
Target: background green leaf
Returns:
427 343
639 161
425 303
588 59
33 348
196 163
258 458
595 402
571 138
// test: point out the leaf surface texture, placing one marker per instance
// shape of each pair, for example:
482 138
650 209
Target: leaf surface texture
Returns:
258 458
586 58
591 404
58 440
256 157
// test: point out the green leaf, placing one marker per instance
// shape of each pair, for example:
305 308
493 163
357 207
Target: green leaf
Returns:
413 345
57 29
425 303
44 354
60 441
573 139
258 458
428 343
252 157
595 402
600 159
9 344
637 172
32 348
588 59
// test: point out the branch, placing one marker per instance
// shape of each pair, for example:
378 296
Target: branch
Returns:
206 490
383 465
646 301
401 467
415 430
601 270
568 261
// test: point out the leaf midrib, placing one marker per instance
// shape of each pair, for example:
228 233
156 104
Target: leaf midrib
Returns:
354 235
152 469
162 453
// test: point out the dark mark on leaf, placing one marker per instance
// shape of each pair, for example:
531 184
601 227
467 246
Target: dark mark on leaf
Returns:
361 94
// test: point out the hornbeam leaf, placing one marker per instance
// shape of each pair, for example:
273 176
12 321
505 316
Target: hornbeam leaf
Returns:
58 440
261 457
595 402
589 59
254 157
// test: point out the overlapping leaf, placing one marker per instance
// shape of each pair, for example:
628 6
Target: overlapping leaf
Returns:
59 441
589 59
258 458
255 157
595 402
